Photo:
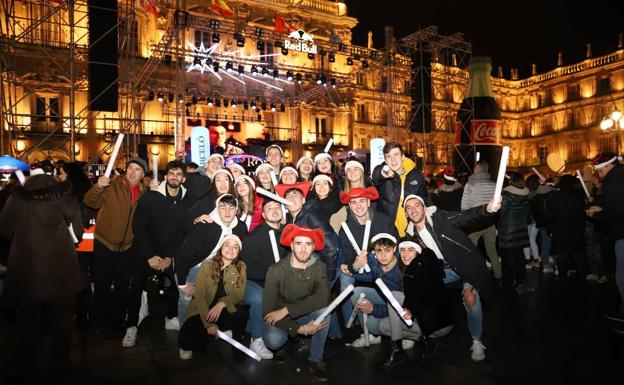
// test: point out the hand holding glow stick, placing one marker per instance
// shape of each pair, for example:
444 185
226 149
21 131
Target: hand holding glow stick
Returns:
273 196
238 345
501 173
113 157
333 305
578 175
355 246
276 256
395 304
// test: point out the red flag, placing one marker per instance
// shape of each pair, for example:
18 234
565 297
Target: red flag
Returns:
222 8
147 6
282 26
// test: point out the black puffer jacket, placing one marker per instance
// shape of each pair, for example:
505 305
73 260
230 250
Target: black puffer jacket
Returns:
448 197
612 203
309 217
380 223
257 252
540 205
567 224
390 189
514 217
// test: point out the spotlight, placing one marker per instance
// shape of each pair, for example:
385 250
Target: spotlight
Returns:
194 99
275 73
234 103
324 80
365 63
240 40
299 77
265 71
170 97
284 51
273 107
241 69
259 32
209 61
197 61
332 81
350 61
217 102
318 79
216 37
289 76
161 96
254 70
225 102
311 56
214 24
180 98
229 67
331 57
210 102
150 96
260 45
246 105
215 66
282 108
253 105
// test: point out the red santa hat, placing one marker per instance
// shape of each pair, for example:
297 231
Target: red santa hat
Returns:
266 152
223 171
236 166
410 244
234 238
243 177
304 187
324 177
413 196
604 159
353 163
359 192
291 231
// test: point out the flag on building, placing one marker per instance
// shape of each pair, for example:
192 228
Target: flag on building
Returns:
282 26
147 6
222 8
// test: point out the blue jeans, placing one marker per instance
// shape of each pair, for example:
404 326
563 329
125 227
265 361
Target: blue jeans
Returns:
253 298
545 248
373 297
475 316
347 306
183 301
274 338
619 269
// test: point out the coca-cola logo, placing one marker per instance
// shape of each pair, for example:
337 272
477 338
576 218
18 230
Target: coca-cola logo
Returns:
485 131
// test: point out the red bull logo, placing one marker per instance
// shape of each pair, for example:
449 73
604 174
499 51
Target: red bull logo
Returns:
305 42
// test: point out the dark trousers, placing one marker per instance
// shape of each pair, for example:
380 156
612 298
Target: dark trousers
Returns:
193 335
514 271
112 272
139 282
39 322
571 259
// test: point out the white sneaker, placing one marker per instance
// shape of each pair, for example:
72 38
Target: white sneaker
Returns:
258 346
172 323
477 351
548 270
407 344
361 342
144 310
130 338
185 354
592 277
603 279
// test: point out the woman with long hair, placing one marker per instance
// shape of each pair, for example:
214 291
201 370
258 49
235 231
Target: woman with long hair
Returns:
263 176
288 175
305 168
217 300
222 183
354 176
249 205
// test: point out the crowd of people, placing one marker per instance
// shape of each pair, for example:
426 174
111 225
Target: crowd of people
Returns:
259 257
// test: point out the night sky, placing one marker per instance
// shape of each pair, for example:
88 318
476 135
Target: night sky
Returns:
512 33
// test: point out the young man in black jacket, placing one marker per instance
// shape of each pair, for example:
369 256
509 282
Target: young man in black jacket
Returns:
158 226
444 233
258 253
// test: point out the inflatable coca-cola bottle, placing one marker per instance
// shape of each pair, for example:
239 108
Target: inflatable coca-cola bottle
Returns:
478 124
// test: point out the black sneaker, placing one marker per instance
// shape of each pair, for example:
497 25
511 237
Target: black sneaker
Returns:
397 356
319 371
279 356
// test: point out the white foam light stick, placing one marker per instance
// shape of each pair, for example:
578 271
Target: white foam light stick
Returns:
357 249
478 156
20 176
113 157
355 311
155 167
329 144
538 174
72 233
273 178
501 173
578 175
274 245
273 196
395 304
248 221
334 303
365 327
238 345
367 228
